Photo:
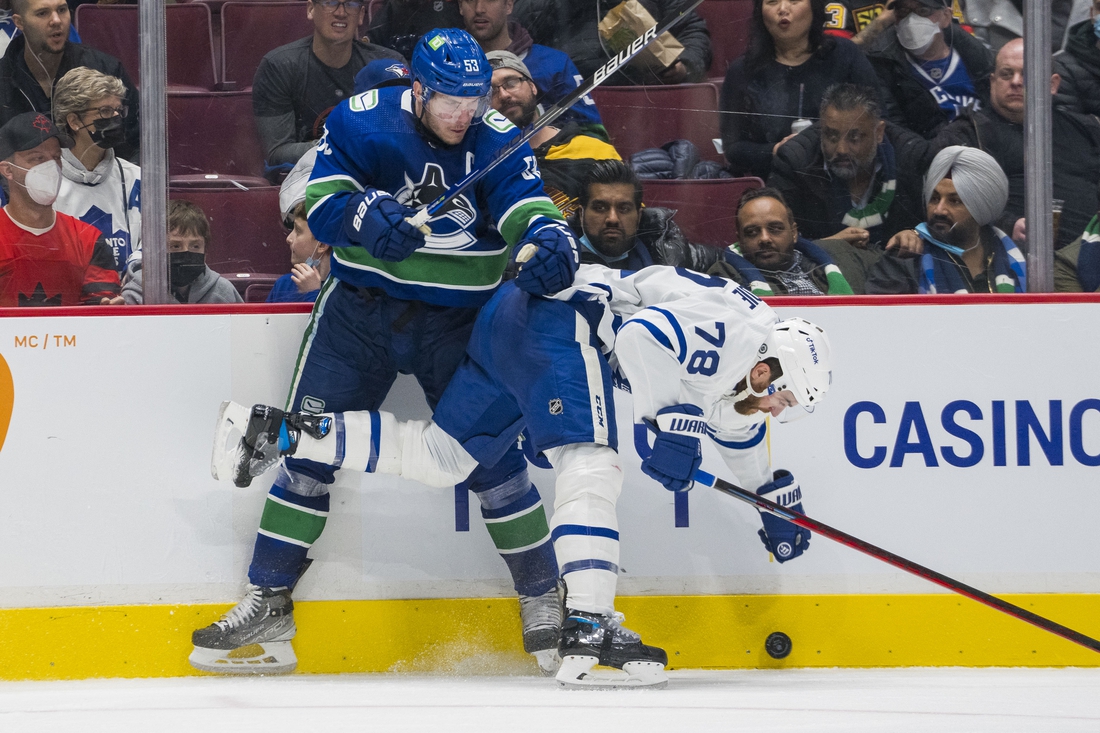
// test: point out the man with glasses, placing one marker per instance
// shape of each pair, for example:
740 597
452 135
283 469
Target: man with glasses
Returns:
552 72
403 299
565 151
297 85
42 54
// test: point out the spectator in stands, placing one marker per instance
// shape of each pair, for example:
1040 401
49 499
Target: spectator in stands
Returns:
615 230
8 29
400 23
931 69
310 260
781 262
189 279
999 131
564 152
552 72
1079 66
98 187
298 84
965 191
1077 265
46 258
35 60
853 176
571 26
780 80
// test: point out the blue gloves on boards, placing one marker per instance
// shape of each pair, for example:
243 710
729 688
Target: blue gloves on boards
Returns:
784 540
376 221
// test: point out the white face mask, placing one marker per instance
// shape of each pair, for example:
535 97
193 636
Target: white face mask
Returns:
43 181
917 34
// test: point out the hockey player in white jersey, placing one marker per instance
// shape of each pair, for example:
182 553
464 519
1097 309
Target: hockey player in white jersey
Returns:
702 357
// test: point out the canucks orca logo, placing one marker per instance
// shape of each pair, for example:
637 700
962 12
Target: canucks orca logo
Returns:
449 225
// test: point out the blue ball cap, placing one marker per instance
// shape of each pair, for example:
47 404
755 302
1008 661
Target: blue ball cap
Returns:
382 73
450 61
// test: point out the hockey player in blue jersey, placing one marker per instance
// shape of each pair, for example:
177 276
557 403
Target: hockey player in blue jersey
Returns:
402 300
703 358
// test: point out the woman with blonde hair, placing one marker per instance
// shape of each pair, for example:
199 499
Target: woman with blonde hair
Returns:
97 186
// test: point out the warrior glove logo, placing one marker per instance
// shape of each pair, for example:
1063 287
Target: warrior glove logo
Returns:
784 549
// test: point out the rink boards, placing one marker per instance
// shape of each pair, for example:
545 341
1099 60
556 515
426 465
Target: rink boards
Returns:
963 437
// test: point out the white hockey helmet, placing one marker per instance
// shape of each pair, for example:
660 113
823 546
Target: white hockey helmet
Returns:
805 356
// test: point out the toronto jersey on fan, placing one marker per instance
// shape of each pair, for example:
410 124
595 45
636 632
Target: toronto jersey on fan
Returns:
372 139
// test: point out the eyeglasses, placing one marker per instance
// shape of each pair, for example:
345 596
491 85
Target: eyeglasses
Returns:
350 6
106 113
509 85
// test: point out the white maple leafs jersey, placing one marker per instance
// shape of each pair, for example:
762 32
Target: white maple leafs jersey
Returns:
679 337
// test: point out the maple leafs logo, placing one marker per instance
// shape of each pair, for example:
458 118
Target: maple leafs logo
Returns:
41 122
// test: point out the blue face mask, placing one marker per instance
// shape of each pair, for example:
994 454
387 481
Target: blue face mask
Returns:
1096 26
922 230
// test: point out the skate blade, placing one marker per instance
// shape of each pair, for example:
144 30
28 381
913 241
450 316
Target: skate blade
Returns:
581 673
228 433
549 661
272 657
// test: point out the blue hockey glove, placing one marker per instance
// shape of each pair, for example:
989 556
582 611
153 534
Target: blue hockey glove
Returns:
376 221
784 540
555 262
676 450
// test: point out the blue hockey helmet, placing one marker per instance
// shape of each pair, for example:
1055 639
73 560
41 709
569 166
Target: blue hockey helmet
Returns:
449 61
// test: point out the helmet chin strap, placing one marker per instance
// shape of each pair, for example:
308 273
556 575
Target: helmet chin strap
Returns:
748 391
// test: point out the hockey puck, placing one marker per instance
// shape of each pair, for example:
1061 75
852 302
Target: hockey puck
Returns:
777 645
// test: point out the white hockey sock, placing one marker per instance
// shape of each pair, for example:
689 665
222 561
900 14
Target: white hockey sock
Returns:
377 442
584 527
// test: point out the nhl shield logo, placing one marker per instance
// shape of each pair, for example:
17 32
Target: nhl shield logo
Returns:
555 406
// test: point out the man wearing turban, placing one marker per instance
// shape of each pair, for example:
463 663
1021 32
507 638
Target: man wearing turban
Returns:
964 192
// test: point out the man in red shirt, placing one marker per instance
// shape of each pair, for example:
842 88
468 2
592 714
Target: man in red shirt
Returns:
46 258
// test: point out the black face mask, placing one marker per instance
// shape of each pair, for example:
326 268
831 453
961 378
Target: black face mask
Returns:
107 133
184 268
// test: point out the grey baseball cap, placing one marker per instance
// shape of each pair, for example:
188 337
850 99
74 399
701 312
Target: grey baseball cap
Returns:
507 60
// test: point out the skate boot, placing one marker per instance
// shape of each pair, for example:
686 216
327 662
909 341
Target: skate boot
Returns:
253 638
589 639
541 617
249 442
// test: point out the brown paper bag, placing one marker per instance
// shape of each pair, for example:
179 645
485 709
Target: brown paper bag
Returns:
628 21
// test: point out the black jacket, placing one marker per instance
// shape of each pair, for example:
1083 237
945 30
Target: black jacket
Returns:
757 110
401 23
20 92
908 103
1075 148
901 275
799 172
571 26
1079 67
659 242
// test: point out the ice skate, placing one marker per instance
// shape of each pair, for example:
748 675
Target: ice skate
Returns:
253 638
249 442
541 617
598 653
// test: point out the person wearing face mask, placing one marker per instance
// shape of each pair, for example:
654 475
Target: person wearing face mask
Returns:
1078 66
46 258
189 279
310 260
98 187
931 69
35 60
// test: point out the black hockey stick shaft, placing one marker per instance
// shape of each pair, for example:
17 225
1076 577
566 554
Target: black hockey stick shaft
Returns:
896 560
601 75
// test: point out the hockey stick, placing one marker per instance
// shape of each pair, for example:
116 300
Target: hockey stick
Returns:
897 561
420 219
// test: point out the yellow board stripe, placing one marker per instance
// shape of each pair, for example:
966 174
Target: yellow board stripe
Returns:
482 635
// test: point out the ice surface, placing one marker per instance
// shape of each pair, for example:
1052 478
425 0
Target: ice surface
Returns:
894 700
